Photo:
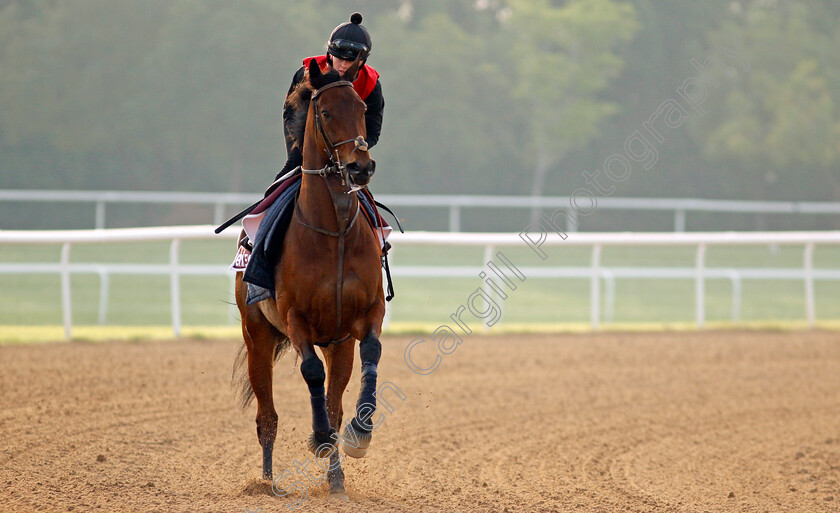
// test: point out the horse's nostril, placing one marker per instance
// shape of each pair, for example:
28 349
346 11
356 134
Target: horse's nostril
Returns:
370 168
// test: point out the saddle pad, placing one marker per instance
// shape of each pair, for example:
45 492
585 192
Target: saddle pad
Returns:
240 261
266 228
257 294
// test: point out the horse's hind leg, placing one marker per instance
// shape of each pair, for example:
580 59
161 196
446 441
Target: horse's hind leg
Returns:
357 435
260 338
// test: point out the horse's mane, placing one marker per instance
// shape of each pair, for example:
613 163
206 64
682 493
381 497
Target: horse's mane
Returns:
298 101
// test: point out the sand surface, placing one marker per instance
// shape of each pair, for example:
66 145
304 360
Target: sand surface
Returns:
670 422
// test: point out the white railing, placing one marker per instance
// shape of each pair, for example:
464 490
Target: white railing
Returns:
67 238
489 241
222 203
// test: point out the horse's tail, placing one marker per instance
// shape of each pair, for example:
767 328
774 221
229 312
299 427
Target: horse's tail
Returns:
239 376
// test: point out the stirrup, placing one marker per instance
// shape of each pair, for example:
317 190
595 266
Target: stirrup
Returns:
246 243
389 292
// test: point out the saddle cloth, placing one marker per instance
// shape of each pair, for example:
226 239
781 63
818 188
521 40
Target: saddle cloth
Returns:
266 228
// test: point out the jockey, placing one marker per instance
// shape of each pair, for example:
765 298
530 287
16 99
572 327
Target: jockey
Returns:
347 42
256 255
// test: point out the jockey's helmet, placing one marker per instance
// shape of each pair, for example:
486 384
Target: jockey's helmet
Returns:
350 39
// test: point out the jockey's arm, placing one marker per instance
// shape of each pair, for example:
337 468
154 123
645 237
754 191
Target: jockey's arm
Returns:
289 113
373 117
373 121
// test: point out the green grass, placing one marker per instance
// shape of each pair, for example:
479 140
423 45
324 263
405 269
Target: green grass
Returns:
34 300
15 335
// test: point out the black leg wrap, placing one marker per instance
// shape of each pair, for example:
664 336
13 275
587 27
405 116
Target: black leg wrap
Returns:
366 405
313 373
320 420
317 439
357 434
370 350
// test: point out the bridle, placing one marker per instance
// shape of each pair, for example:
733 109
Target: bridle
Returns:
334 165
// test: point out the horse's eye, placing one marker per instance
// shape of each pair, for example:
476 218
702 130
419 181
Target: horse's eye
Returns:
325 114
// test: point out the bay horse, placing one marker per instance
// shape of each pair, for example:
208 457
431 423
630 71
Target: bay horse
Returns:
328 283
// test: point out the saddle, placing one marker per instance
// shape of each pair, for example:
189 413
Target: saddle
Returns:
264 228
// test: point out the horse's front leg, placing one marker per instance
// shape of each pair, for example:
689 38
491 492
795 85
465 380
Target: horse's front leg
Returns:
357 435
339 360
322 441
312 370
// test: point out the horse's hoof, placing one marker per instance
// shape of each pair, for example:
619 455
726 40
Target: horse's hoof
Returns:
316 440
355 441
336 495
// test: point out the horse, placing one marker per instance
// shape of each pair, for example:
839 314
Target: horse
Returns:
328 283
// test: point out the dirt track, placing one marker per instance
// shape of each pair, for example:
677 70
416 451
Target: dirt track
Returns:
713 422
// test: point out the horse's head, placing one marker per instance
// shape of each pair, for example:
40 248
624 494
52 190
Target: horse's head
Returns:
338 117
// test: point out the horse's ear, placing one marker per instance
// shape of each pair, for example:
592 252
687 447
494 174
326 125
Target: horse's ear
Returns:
353 71
314 71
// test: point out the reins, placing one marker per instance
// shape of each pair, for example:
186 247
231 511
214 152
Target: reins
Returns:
299 219
333 167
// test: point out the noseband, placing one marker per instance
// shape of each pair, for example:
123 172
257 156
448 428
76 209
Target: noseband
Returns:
335 166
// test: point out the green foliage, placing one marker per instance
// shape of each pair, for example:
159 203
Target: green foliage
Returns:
564 59
187 94
446 119
781 120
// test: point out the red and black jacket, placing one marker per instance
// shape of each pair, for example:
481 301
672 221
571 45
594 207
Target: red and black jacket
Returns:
367 86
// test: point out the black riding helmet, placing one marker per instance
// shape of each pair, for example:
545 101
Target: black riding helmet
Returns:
350 39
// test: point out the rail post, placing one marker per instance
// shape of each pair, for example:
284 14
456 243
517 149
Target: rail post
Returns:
104 287
488 256
454 218
609 295
735 279
571 220
810 307
66 306
175 286
100 215
700 285
679 220
218 213
595 287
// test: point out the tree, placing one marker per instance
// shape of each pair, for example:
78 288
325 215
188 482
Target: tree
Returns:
779 124
448 124
147 94
564 57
